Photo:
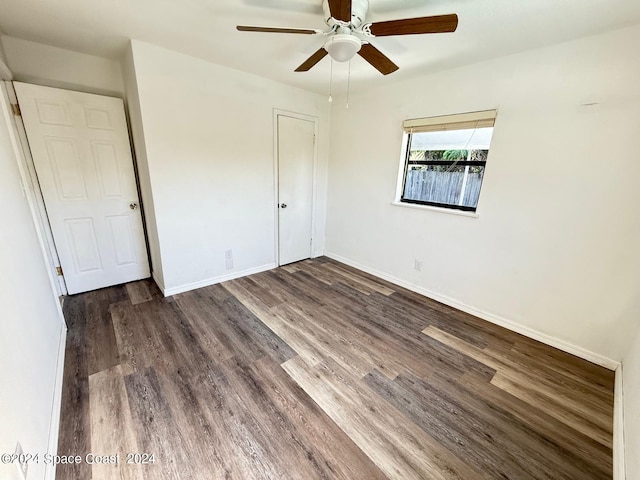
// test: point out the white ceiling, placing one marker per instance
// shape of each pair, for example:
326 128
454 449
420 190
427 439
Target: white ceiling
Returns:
206 29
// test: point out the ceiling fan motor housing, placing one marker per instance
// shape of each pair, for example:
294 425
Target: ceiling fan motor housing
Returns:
343 46
359 9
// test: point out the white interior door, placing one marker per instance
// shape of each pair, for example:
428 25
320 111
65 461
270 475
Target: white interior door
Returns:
296 151
81 152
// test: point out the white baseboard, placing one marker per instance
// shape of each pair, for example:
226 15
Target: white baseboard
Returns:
619 465
56 409
490 317
212 281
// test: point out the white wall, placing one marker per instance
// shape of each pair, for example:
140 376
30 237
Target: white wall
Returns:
5 73
137 132
31 325
3 56
631 387
554 249
33 62
208 133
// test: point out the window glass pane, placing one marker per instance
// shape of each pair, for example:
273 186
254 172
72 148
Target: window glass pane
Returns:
452 180
444 184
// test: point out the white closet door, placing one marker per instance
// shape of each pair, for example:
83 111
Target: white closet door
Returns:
296 149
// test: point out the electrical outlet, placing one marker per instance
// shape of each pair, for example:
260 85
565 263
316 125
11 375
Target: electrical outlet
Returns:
417 265
228 254
21 464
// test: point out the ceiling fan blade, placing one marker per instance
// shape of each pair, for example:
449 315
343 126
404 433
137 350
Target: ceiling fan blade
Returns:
414 26
340 9
246 28
312 60
377 59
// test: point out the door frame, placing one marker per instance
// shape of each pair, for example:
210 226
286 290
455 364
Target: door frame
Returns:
276 177
40 211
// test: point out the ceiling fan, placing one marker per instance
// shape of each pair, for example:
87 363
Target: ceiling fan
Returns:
347 34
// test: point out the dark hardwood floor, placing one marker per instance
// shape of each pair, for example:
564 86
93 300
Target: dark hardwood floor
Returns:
319 371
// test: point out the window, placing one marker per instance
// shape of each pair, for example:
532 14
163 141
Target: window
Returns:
445 159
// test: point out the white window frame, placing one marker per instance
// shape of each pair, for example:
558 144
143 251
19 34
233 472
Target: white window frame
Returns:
479 119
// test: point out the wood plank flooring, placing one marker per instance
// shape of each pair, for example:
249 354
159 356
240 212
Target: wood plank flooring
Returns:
319 371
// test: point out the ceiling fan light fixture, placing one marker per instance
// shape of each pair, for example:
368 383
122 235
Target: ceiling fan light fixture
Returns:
343 46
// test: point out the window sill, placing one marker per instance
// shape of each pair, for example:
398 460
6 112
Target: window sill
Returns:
431 208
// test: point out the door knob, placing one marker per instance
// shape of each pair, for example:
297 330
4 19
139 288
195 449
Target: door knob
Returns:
283 205
133 205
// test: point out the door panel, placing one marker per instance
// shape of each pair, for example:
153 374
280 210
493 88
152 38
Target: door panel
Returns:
296 150
81 152
98 118
81 235
64 160
53 113
122 237
107 169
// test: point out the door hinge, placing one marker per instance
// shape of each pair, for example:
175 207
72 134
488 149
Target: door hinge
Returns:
16 109
59 271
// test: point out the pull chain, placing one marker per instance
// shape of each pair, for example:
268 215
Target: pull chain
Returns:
348 84
331 81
